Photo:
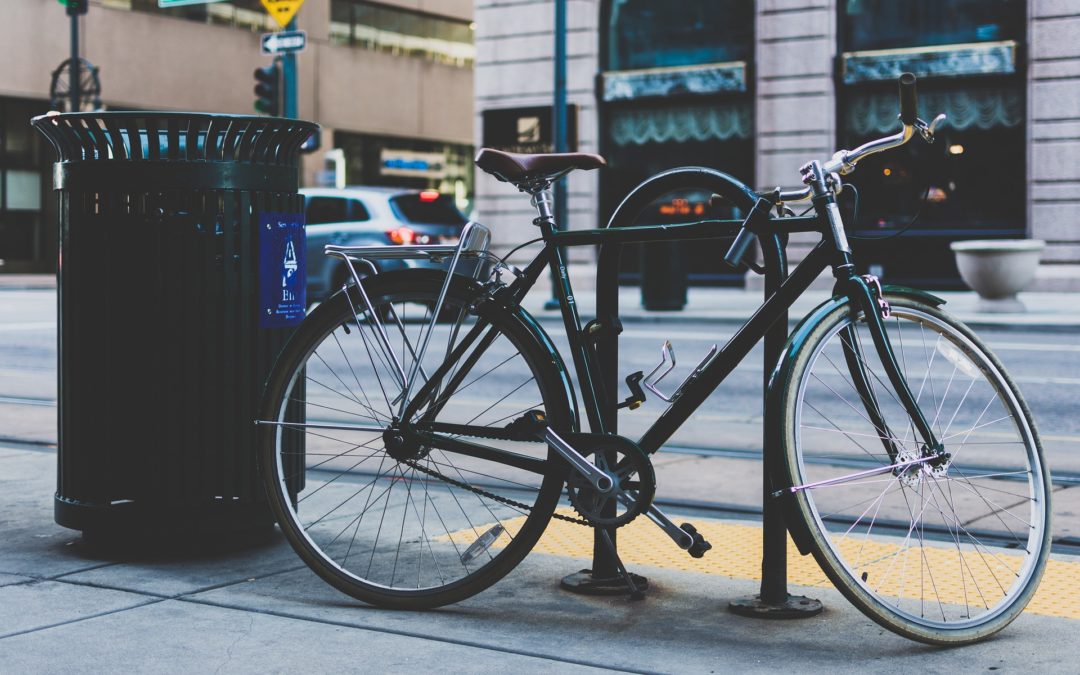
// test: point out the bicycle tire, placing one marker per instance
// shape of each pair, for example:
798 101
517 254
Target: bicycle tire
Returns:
446 515
979 558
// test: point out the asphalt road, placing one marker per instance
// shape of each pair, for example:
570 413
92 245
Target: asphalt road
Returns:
1045 365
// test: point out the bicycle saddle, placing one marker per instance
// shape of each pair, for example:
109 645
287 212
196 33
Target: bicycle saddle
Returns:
514 168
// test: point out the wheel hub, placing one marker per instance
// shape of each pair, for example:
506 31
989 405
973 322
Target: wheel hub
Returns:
936 467
399 445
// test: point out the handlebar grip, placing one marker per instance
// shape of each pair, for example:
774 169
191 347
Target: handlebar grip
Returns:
739 247
909 102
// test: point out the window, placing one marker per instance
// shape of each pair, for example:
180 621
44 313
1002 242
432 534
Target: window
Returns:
667 33
24 181
888 24
393 161
675 92
402 32
248 14
426 207
320 210
964 53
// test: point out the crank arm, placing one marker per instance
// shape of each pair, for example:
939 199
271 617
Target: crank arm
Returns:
681 537
596 477
685 536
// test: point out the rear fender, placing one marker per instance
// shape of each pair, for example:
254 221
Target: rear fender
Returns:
555 358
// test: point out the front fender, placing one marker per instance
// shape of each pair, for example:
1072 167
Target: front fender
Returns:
802 330
779 379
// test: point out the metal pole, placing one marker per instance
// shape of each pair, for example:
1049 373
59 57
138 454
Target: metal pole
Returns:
773 600
76 93
288 77
774 531
559 126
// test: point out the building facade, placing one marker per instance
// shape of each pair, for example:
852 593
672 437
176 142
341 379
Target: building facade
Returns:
758 88
390 81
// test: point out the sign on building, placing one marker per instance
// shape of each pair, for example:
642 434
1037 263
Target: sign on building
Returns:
527 130
411 163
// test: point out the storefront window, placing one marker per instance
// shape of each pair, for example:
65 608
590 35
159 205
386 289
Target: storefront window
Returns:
667 33
407 162
676 92
23 174
889 24
397 31
973 177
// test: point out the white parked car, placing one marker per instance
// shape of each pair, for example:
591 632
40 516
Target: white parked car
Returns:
357 216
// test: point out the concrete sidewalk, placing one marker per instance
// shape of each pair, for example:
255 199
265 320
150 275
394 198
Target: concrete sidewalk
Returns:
68 607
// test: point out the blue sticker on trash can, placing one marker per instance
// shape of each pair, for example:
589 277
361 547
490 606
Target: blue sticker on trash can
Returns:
282 269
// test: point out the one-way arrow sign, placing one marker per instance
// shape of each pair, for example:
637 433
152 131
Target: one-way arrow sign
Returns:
285 42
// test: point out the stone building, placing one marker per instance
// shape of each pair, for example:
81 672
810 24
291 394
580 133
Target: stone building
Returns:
377 75
758 88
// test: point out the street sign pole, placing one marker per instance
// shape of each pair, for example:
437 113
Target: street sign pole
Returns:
559 128
290 94
76 93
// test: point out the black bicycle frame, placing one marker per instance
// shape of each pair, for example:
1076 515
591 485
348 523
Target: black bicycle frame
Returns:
827 253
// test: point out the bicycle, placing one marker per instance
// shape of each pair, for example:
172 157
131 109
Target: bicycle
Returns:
910 466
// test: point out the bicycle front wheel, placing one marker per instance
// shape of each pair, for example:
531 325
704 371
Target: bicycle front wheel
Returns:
397 524
946 554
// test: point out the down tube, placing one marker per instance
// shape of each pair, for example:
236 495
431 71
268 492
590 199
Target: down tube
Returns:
748 335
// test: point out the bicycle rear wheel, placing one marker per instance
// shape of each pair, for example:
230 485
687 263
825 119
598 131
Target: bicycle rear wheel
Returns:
943 555
411 527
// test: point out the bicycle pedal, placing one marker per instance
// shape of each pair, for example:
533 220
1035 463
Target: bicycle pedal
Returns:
529 425
699 546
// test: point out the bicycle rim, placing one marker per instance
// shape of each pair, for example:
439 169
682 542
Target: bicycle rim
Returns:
427 529
945 554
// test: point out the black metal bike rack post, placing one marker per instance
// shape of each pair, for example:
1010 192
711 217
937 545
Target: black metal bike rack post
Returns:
773 600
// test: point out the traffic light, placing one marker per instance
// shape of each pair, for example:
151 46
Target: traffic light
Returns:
75 7
268 89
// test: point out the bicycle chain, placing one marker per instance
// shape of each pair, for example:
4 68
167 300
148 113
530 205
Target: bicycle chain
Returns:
500 434
491 495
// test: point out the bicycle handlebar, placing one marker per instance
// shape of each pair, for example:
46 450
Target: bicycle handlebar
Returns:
844 161
909 102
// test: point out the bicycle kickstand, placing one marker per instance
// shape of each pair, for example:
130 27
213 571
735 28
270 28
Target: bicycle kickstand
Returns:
635 592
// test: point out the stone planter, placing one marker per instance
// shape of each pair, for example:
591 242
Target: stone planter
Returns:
998 269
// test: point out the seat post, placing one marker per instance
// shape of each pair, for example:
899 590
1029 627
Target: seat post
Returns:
544 202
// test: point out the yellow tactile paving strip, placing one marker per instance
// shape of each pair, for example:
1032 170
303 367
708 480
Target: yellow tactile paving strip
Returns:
736 553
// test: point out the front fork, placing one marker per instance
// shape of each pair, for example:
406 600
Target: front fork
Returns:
862 298
864 295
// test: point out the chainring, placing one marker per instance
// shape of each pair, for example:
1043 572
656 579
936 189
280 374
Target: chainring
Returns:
633 493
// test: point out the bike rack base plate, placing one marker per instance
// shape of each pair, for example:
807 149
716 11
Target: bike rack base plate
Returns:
795 607
584 583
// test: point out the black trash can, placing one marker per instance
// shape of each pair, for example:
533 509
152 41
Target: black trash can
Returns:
181 256
663 275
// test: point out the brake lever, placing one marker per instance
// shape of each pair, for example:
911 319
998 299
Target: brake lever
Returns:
927 130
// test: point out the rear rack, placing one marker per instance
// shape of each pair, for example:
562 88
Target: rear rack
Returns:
473 245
